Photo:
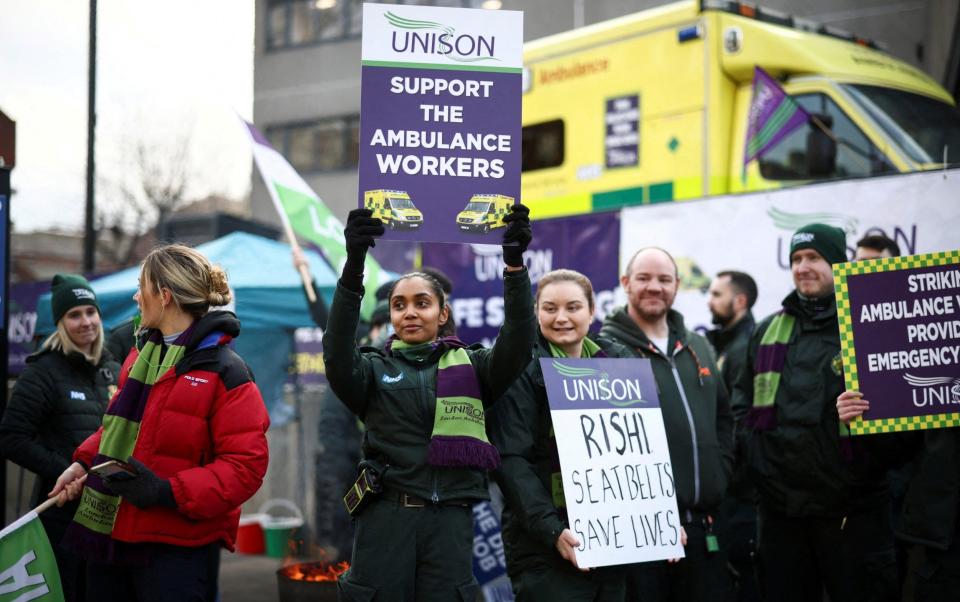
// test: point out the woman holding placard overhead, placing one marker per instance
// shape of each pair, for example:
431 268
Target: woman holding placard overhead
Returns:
422 398
540 547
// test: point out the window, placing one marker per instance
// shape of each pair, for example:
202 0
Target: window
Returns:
542 145
324 145
925 128
292 23
856 155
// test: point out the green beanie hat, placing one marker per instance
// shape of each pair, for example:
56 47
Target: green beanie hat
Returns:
829 241
68 291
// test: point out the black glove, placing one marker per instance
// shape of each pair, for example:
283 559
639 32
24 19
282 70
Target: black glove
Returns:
144 490
360 234
518 231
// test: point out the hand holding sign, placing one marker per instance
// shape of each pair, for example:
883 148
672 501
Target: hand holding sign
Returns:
850 405
567 545
360 234
517 235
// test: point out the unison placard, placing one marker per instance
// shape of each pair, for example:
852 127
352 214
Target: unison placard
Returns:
617 477
440 120
900 339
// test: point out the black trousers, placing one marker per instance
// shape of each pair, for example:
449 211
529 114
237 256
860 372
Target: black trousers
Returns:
72 567
174 574
738 531
551 584
403 554
937 576
701 576
851 560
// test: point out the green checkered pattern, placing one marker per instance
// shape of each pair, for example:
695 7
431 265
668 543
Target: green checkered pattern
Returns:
910 423
841 273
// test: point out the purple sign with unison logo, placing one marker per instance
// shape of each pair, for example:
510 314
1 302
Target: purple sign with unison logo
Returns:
907 332
435 166
589 244
599 384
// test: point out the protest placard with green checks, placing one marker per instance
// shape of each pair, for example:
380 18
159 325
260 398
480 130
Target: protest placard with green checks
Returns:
842 273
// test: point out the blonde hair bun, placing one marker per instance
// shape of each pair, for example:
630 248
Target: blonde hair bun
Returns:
219 289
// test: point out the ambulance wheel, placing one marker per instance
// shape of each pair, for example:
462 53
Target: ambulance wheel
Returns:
485 229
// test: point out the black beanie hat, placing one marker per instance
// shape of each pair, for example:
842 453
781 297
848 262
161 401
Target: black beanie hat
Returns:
68 291
829 241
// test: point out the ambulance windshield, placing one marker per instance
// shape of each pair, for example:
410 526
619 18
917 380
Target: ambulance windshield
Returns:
477 206
925 128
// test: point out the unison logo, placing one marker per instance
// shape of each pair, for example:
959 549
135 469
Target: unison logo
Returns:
464 48
935 390
586 384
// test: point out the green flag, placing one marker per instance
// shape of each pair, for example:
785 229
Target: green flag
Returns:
28 568
301 209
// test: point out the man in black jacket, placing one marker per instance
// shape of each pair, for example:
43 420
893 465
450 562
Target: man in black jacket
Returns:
824 504
698 422
730 300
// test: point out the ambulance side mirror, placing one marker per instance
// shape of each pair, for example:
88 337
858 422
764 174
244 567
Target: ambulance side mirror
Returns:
821 148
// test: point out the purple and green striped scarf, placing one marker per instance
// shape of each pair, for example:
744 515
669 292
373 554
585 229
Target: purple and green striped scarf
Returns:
459 437
90 532
768 368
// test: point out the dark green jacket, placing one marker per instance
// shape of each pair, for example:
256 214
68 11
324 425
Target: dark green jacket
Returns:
520 426
797 464
394 393
695 406
57 403
731 347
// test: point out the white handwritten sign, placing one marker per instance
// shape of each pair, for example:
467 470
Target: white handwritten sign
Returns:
617 477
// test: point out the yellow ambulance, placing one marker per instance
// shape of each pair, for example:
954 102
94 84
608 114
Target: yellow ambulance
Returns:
484 212
394 207
652 107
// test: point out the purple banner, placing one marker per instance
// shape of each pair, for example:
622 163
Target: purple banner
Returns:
906 330
306 363
439 151
23 323
599 384
589 244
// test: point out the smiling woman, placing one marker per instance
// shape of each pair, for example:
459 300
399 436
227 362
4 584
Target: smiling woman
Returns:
540 546
422 398
57 402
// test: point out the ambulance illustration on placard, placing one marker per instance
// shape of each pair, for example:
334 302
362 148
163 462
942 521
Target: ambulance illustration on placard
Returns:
484 212
394 208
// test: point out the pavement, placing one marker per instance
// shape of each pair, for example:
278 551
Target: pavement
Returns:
248 578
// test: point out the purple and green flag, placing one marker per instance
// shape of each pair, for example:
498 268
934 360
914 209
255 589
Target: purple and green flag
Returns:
299 206
773 115
28 568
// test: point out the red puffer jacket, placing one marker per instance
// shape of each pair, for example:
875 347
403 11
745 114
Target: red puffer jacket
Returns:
203 428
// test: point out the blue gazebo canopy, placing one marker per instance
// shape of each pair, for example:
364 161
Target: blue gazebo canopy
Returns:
267 290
